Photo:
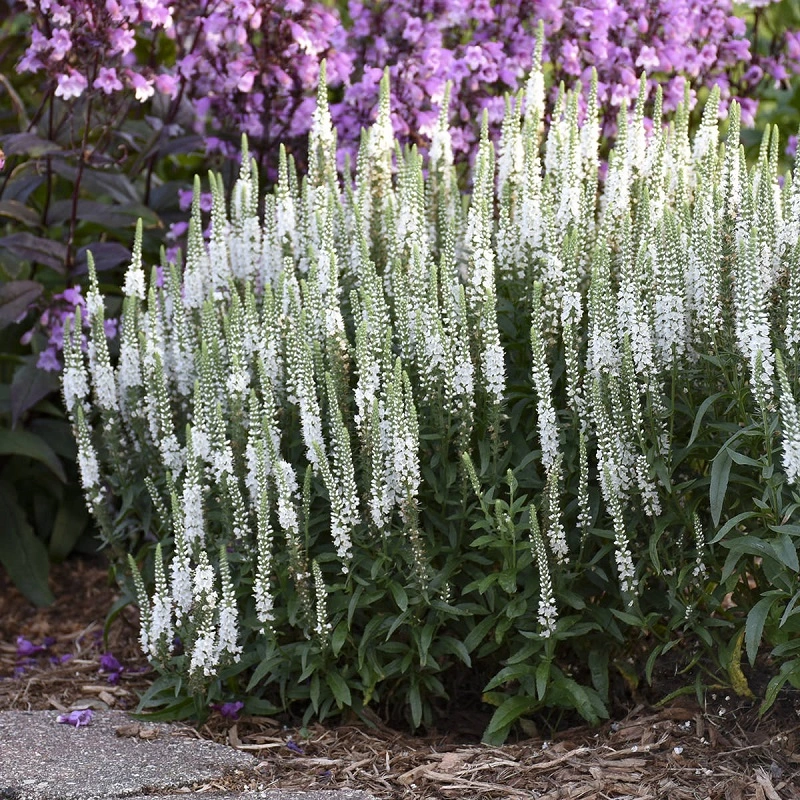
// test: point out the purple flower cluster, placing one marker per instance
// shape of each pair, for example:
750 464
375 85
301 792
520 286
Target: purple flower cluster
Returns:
51 322
251 65
248 65
485 48
254 66
88 47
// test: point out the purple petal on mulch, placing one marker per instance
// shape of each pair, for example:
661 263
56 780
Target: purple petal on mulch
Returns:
112 667
229 710
26 648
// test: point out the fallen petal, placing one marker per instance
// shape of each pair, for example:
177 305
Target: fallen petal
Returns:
76 718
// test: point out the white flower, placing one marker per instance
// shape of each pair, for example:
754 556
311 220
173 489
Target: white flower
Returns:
76 388
134 283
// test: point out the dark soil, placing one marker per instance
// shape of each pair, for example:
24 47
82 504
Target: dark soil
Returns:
719 749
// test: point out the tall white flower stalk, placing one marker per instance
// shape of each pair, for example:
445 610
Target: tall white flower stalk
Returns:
790 415
546 414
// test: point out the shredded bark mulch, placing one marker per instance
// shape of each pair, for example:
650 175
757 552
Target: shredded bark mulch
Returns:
718 750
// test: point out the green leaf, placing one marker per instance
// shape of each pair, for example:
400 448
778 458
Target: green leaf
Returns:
478 633
720 472
792 530
505 716
339 688
399 595
259 707
425 640
789 610
516 608
585 701
513 672
415 704
542 678
786 552
704 406
754 626
598 666
24 443
22 554
15 299
339 637
744 460
732 523
172 712
69 525
261 671
449 644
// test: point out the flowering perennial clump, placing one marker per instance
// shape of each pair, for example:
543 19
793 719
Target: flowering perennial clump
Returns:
302 393
253 64
424 46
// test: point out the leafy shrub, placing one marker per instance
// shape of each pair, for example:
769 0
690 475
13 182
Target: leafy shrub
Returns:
371 440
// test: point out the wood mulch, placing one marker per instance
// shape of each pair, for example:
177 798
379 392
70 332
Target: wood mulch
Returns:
721 750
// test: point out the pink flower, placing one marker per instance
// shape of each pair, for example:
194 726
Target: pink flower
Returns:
122 40
60 15
107 80
61 43
29 63
245 83
166 84
793 44
648 58
142 86
71 85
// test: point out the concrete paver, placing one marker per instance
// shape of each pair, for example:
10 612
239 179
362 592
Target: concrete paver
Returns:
41 759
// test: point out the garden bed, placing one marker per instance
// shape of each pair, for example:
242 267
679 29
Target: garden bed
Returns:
682 750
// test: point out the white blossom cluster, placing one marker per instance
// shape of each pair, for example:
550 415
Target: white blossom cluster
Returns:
318 328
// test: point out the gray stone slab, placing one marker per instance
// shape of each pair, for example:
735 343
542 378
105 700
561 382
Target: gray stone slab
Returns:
41 759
